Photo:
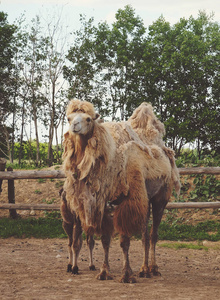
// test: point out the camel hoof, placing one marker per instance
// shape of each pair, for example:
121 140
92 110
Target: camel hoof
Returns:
92 268
75 270
126 278
69 268
154 271
144 274
104 276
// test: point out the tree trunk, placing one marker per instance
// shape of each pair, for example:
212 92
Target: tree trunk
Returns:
198 148
36 133
7 143
51 129
2 168
62 132
22 133
13 130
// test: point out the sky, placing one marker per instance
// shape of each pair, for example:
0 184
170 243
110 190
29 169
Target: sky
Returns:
102 10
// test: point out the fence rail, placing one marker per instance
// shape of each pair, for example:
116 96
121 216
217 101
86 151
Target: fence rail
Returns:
60 174
14 175
171 205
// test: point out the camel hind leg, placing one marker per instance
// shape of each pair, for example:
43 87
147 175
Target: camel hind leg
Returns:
127 271
144 271
107 230
158 207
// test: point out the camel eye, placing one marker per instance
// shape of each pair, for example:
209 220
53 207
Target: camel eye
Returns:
88 120
68 119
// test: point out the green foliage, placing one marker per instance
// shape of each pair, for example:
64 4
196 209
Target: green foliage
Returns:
202 187
118 66
29 150
27 165
182 78
7 32
190 232
26 228
7 82
205 188
178 246
191 158
52 214
173 67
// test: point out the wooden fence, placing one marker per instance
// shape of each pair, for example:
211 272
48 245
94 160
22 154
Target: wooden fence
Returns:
11 175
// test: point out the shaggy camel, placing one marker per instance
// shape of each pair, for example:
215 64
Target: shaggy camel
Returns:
122 165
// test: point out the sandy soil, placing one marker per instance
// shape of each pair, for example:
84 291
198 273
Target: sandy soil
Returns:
36 269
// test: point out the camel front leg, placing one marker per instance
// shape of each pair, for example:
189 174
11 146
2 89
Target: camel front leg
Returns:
90 243
76 245
68 227
127 271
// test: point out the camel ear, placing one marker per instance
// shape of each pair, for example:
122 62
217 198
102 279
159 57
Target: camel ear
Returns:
96 116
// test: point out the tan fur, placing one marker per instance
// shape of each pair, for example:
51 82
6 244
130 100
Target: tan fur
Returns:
82 106
146 124
125 165
100 167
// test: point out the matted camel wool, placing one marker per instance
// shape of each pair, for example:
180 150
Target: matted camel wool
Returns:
115 171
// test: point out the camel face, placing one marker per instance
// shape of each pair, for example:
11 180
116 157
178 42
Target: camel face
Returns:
80 123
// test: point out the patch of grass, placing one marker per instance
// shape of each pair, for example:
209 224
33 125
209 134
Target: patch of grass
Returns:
49 201
26 228
41 180
183 246
52 214
51 227
201 231
38 192
59 184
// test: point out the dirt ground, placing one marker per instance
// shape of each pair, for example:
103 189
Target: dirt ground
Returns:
36 269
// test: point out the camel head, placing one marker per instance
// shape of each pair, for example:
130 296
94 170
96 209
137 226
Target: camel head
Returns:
81 117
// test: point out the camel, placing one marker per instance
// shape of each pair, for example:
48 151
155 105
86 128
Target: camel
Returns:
123 165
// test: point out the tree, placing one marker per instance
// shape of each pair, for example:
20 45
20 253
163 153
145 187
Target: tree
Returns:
80 71
33 71
105 61
183 76
54 83
119 51
7 32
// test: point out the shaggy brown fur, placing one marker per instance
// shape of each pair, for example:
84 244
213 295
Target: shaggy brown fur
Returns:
125 164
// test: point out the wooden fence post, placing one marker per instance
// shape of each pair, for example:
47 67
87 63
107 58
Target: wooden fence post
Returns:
2 168
11 195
